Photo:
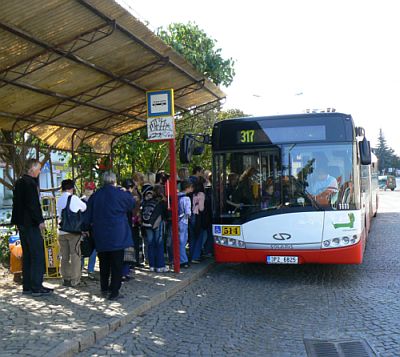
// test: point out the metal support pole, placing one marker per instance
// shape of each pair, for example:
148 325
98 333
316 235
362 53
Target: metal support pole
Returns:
174 206
73 154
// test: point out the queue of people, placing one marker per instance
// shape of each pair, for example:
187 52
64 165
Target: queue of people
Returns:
130 226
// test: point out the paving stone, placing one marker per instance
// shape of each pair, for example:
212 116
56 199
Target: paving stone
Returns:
69 319
259 310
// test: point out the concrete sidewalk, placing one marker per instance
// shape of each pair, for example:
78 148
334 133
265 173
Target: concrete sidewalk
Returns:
73 319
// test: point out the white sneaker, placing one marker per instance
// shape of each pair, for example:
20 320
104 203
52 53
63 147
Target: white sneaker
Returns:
152 269
163 270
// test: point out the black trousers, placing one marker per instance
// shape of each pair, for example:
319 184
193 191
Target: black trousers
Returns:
137 243
33 259
111 264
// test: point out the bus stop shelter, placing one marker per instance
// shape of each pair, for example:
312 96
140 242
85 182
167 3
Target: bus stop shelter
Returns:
77 71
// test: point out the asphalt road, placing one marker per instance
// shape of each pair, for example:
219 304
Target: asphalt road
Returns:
260 310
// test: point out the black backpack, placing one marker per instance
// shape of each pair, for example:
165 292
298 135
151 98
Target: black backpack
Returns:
151 213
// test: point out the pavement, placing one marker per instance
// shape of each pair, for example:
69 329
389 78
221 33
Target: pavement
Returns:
73 319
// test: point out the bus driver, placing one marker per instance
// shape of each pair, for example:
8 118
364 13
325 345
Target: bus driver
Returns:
323 186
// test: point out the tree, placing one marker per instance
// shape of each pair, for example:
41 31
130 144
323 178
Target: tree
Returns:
382 152
385 154
199 49
131 153
231 114
14 152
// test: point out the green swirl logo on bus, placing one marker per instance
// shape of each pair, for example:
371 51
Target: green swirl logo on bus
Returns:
349 224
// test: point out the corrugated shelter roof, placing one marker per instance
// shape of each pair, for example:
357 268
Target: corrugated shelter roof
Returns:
74 71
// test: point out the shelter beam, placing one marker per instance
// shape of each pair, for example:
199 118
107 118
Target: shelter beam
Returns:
39 120
101 90
70 56
67 98
55 149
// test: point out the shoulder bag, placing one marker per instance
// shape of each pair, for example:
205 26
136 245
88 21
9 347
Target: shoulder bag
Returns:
70 221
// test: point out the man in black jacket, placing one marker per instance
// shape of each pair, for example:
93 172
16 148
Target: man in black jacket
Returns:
27 215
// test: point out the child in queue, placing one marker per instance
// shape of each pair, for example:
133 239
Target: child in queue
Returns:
154 211
184 213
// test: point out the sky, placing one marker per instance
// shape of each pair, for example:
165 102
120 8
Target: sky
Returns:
292 55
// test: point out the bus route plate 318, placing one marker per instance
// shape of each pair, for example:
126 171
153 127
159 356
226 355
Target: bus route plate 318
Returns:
274 259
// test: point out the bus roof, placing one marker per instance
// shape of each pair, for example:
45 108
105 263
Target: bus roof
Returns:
291 117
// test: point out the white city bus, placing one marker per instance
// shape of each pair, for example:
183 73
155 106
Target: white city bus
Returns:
266 207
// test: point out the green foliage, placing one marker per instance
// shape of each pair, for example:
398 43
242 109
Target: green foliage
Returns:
386 156
203 124
134 153
200 50
4 246
231 114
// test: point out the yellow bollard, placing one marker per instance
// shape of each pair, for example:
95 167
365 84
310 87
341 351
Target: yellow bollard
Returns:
50 237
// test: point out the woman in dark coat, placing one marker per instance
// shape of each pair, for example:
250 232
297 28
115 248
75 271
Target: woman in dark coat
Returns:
107 215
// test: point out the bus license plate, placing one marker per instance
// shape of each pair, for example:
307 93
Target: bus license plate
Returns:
274 259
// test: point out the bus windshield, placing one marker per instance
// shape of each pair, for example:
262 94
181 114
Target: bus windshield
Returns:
302 176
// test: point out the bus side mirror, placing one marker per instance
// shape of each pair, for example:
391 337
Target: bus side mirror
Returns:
186 149
365 151
198 150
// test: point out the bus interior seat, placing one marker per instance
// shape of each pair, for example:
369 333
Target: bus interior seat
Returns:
346 195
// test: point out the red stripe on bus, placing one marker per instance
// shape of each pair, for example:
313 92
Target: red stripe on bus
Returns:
346 255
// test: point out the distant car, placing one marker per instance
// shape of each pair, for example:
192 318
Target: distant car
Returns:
387 182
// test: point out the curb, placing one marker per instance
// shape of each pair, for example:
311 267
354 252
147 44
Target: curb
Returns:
69 348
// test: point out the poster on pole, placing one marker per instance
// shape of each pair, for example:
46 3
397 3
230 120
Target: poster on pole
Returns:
162 128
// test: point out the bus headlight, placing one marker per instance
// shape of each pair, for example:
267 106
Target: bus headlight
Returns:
240 244
339 242
326 243
229 242
355 239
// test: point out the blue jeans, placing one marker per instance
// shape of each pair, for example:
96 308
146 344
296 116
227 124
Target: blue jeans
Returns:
155 247
168 235
183 238
196 242
33 261
91 263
